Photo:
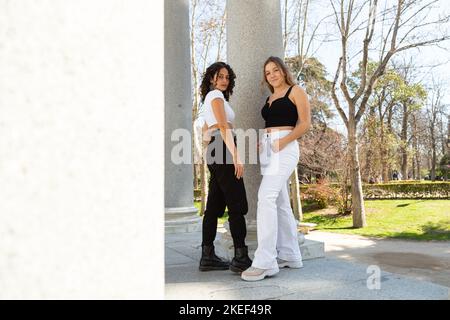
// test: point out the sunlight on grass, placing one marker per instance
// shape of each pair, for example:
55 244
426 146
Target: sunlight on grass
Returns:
407 219
404 219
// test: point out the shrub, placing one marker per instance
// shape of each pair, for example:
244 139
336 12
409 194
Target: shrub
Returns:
405 190
334 193
322 194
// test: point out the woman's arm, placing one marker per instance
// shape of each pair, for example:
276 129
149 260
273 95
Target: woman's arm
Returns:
219 112
304 117
206 137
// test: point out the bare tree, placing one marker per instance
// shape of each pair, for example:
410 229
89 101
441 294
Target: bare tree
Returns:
301 35
221 40
403 34
415 134
412 98
434 109
295 196
384 100
194 79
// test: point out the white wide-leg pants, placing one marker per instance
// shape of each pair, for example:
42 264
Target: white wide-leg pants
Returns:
276 225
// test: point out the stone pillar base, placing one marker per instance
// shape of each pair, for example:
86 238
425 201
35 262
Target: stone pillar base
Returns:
181 220
224 248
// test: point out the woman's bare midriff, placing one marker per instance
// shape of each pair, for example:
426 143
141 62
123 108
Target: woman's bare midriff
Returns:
272 129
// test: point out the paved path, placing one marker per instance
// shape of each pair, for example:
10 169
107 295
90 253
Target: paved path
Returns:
422 260
331 277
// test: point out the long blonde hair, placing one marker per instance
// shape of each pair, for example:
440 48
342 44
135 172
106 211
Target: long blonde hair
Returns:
280 64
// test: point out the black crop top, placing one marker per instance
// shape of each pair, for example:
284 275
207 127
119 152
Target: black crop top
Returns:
282 112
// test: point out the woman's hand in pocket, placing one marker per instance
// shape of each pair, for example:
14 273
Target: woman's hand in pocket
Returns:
259 147
278 145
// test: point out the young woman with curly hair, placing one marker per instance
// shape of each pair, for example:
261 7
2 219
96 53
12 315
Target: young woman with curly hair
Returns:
226 185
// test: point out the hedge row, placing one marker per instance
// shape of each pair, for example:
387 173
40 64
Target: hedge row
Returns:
424 190
404 190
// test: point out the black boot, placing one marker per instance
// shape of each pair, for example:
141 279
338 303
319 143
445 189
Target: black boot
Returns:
241 260
210 261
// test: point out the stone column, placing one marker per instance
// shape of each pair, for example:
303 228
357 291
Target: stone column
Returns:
253 34
180 213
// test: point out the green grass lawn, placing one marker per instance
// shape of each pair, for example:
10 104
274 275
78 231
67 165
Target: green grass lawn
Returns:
406 219
403 219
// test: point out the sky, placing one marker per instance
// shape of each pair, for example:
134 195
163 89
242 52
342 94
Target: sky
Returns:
329 52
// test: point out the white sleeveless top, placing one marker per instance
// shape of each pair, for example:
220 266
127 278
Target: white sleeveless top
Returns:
208 112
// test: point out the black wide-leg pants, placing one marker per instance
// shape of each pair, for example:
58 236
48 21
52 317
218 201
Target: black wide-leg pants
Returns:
225 190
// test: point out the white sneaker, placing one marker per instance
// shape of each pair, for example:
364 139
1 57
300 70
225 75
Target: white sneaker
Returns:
289 264
255 274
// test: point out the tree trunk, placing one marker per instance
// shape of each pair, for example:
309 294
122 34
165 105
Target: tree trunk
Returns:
433 166
384 166
385 170
358 210
418 164
371 133
295 196
416 157
388 169
383 152
442 134
196 175
404 144
285 36
433 156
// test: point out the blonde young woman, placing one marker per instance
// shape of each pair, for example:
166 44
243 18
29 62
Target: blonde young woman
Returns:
287 117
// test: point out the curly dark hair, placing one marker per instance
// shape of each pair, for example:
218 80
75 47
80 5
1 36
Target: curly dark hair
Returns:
209 74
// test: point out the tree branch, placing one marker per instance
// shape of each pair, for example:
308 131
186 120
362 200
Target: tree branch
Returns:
368 38
423 43
334 96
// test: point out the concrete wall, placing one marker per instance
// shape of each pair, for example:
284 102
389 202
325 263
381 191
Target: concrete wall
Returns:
81 149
